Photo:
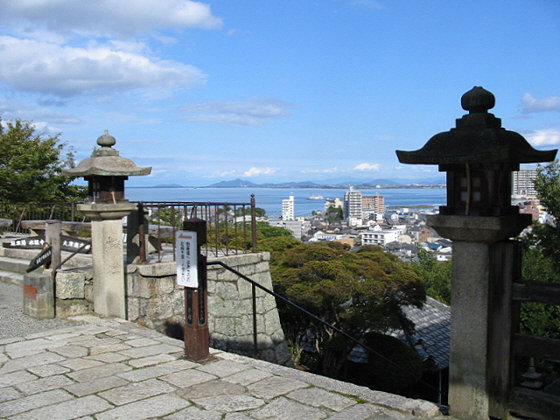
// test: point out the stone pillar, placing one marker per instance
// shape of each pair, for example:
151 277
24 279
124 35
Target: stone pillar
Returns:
38 295
472 305
109 291
53 237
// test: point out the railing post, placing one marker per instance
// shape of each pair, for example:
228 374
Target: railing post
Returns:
142 232
197 337
254 223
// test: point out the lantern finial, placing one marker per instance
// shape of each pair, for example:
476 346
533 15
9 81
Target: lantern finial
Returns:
478 100
106 140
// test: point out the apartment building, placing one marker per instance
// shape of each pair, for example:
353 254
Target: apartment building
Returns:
523 183
288 208
373 203
353 207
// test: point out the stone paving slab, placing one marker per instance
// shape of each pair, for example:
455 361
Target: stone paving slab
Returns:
112 369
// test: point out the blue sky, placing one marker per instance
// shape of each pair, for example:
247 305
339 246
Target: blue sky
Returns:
275 90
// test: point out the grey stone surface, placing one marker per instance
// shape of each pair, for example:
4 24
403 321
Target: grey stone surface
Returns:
229 403
157 406
21 405
70 285
285 408
136 391
274 386
110 385
69 409
188 377
318 397
95 386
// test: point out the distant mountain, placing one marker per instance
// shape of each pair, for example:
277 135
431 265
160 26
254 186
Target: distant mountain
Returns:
304 184
236 183
334 183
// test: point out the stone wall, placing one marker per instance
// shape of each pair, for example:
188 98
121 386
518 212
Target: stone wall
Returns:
74 292
155 300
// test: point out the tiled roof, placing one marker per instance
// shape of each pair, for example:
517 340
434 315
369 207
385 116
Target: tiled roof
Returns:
433 331
431 338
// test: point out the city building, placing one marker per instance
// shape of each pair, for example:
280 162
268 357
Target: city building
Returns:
375 203
336 203
380 237
288 208
523 183
299 228
353 207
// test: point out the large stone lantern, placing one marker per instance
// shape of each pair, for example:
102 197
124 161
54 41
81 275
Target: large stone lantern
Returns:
479 157
105 171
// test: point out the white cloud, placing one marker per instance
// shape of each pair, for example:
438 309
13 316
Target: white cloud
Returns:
367 167
65 71
544 137
259 171
252 112
106 17
532 104
10 110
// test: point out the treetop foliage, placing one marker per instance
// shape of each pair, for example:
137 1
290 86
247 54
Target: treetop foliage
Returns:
541 255
31 166
357 291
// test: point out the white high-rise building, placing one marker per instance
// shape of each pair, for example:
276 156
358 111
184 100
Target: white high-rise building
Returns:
523 182
288 208
353 207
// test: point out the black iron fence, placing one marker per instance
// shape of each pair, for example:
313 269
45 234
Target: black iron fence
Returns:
231 226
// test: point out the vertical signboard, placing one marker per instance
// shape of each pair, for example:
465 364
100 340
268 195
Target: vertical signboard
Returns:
187 259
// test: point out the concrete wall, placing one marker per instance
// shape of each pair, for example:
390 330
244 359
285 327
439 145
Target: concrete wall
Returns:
155 301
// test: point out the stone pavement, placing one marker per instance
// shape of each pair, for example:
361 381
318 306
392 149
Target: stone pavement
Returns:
113 369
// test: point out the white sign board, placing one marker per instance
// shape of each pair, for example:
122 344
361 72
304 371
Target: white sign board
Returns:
187 259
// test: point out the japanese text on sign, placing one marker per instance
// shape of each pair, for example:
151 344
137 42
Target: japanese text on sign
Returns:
187 259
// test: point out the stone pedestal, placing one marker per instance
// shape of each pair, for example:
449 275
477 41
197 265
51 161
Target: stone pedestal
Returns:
38 295
474 239
109 292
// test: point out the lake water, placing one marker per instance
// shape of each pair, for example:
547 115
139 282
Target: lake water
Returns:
270 199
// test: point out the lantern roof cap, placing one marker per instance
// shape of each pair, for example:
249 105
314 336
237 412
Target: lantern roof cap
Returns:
106 161
477 138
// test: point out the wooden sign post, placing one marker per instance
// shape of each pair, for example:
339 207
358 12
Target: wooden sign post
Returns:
191 273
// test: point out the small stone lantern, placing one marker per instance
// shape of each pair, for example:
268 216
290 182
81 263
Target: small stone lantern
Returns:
479 157
105 171
106 206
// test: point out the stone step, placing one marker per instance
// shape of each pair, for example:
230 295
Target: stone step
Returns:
11 278
78 260
14 265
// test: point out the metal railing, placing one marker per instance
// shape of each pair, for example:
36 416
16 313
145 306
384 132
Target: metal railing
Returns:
17 213
231 226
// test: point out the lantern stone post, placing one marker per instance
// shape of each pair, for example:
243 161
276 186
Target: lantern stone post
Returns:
479 157
106 206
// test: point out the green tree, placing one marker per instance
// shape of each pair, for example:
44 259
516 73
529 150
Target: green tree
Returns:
31 166
355 291
541 255
436 276
546 236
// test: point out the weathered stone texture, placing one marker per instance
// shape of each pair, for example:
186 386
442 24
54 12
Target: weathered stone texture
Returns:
155 300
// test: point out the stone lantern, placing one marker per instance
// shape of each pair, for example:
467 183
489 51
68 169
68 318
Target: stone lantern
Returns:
479 157
105 171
